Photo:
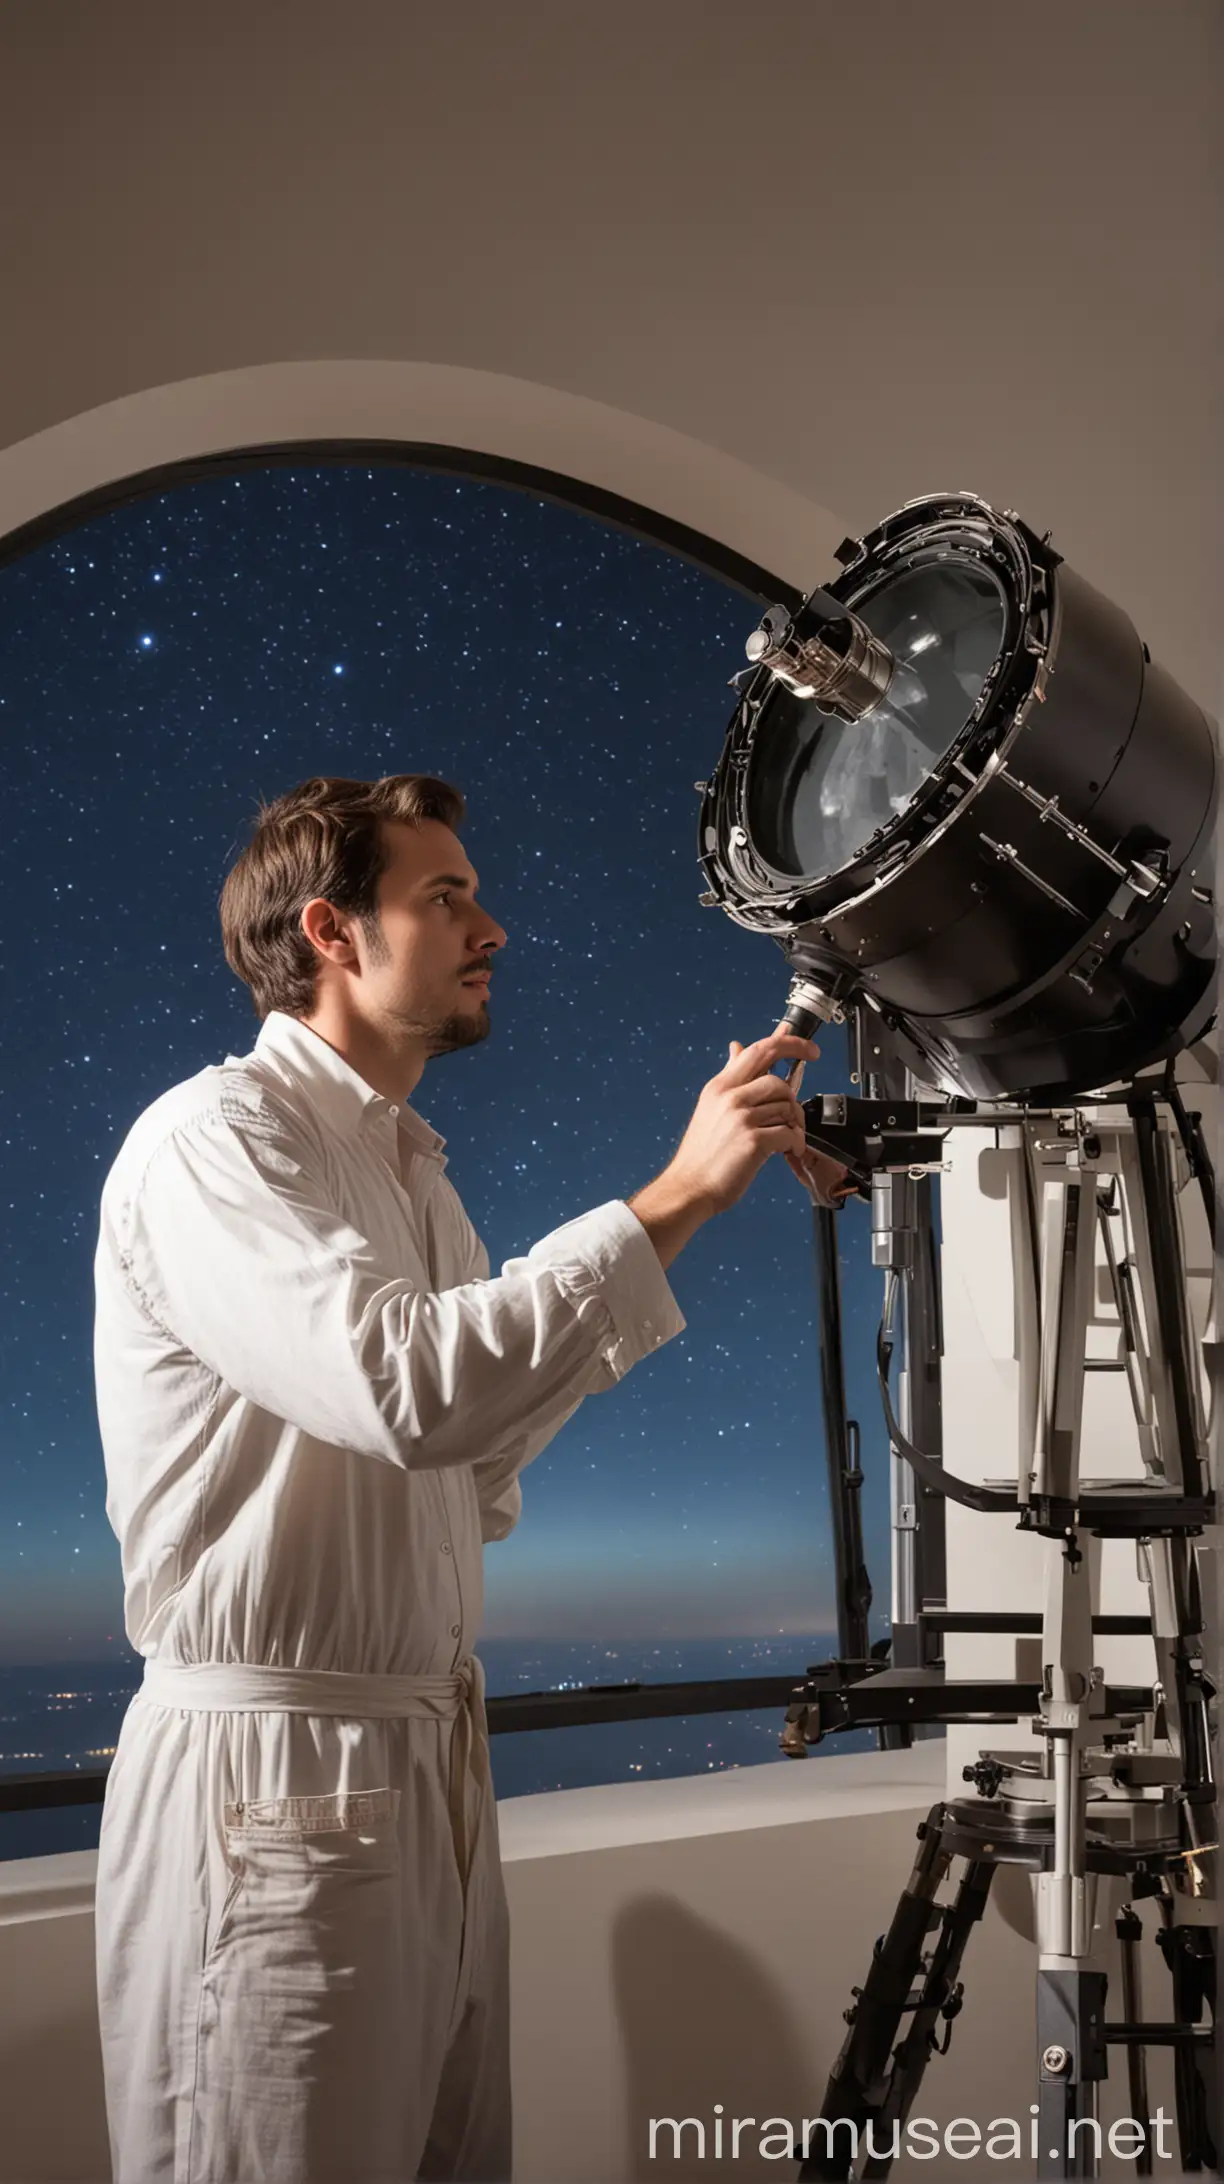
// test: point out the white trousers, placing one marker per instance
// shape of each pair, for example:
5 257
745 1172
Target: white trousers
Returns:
302 1932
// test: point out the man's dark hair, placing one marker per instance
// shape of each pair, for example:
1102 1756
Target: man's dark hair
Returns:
324 838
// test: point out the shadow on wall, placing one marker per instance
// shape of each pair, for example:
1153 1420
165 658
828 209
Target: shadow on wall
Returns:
54 2118
702 2023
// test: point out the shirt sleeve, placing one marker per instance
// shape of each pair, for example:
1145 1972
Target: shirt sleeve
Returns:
496 1472
233 1244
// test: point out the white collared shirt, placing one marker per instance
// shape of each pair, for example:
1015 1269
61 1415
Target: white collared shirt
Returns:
314 1403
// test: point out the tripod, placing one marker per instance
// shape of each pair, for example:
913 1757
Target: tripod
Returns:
1120 1781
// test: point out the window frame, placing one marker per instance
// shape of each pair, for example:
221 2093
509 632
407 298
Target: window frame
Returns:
571 1709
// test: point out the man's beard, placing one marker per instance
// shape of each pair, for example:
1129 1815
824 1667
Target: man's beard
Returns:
461 1030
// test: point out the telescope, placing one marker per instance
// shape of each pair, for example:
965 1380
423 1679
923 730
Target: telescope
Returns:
958 789
980 820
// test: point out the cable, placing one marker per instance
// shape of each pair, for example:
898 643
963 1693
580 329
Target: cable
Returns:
1194 1145
1207 1421
932 1474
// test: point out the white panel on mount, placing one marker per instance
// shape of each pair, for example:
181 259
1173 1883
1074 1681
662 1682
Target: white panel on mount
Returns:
992 1566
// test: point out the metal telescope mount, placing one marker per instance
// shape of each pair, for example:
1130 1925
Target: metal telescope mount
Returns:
1117 1780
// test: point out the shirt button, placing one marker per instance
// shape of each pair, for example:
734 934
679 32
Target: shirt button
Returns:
446 1546
455 1629
393 1110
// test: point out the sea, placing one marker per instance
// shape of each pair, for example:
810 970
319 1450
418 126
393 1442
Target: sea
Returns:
55 1718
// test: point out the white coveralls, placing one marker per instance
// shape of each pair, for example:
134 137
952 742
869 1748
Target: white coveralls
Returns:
314 1406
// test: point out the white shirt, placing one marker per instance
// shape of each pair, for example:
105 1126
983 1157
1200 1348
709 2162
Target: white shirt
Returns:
314 1403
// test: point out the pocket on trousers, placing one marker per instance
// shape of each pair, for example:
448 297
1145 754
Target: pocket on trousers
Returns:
304 1870
301 2003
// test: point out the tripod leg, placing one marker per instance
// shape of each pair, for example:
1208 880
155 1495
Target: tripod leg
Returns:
1189 1952
860 2074
940 1997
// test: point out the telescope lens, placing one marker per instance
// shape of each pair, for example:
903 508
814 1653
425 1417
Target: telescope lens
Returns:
820 788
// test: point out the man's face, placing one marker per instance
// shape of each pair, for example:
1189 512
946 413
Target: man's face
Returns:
423 976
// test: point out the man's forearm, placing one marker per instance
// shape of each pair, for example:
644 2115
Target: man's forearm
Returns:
671 1213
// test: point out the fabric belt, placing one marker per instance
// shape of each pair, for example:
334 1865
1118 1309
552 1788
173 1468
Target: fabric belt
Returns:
245 1687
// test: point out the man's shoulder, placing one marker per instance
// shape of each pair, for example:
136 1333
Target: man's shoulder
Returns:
238 1092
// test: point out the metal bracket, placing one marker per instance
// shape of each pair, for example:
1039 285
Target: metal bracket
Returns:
1139 881
1009 855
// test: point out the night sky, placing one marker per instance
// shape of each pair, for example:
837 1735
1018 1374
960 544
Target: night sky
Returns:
163 667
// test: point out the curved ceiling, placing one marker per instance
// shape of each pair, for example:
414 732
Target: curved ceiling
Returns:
863 251
539 429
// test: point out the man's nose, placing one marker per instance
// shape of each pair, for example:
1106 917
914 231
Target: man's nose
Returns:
490 937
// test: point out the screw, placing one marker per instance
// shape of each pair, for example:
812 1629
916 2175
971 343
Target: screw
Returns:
1055 2061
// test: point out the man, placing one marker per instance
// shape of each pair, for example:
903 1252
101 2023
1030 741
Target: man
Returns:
315 1404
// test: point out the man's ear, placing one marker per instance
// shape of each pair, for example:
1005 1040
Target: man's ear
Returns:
329 932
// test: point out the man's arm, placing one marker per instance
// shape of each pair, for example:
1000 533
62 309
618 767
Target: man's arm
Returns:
742 1115
496 1469
671 1213
232 1246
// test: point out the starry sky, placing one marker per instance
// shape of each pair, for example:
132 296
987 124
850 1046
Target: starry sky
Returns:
167 664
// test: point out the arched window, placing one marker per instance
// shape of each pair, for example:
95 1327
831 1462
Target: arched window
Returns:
162 666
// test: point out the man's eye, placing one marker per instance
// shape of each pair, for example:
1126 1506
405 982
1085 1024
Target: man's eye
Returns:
443 897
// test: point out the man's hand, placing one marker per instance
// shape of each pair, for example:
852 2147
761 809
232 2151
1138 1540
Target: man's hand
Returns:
744 1114
825 1179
